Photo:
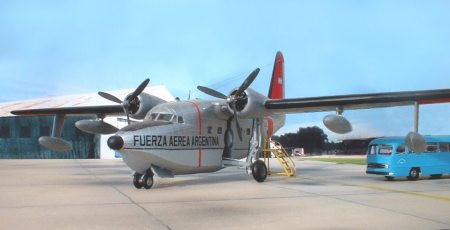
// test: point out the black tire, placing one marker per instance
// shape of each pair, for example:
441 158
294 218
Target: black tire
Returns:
137 182
147 179
259 171
414 174
435 176
389 178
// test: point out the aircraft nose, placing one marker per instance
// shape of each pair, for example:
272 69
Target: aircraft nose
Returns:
115 142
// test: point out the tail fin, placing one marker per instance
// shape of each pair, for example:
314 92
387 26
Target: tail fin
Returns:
276 90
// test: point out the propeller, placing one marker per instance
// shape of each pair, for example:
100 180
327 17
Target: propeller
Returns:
129 100
234 97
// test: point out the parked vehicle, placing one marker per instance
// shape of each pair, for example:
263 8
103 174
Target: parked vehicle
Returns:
391 158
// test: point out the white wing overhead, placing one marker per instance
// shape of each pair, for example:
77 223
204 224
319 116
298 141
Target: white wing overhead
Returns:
79 100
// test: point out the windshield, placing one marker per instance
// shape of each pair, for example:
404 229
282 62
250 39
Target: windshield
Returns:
166 117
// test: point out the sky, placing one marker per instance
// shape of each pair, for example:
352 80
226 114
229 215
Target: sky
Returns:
53 48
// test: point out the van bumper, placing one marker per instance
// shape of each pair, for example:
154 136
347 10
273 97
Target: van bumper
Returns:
378 173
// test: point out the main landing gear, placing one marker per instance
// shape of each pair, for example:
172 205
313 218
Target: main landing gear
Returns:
143 181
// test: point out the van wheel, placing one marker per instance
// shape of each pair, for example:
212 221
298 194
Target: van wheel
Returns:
389 178
435 176
414 174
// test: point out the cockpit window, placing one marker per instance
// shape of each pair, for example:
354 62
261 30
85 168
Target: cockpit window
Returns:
165 117
153 116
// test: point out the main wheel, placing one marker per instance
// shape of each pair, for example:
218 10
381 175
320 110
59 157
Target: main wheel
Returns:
413 174
259 171
137 182
147 179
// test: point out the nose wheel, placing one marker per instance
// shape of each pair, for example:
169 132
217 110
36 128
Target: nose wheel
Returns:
259 171
143 180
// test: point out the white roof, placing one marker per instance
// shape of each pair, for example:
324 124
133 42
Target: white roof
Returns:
90 99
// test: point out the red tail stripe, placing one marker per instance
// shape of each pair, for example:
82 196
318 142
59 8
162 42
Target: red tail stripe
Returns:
276 90
199 115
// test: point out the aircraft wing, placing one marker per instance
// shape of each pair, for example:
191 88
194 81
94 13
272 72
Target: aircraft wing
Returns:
79 110
357 101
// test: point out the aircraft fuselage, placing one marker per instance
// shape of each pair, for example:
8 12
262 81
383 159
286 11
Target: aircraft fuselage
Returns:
184 137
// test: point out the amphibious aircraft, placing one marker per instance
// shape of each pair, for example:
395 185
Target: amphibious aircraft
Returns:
198 136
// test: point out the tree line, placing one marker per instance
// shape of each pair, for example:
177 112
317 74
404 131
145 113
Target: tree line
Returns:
311 139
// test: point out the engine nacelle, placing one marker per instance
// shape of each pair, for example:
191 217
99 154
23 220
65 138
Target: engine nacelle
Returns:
142 104
252 105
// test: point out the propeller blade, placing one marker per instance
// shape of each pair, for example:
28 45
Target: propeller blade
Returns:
110 97
211 92
139 89
248 81
238 128
128 115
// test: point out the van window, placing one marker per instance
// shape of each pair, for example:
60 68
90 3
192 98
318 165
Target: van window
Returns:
372 150
431 148
444 147
385 150
401 149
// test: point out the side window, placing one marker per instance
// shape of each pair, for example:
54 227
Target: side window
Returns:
209 129
219 130
5 131
154 115
180 119
248 131
431 148
45 130
25 131
385 150
444 147
401 149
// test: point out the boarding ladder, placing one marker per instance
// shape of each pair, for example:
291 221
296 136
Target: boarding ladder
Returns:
285 160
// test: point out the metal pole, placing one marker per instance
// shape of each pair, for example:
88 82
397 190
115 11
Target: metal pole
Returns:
416 117
58 123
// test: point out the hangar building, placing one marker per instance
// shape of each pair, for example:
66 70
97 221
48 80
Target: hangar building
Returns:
19 135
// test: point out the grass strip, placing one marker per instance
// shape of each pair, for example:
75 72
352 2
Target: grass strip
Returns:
356 161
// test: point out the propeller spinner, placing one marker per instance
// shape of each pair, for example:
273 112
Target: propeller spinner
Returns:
130 102
235 97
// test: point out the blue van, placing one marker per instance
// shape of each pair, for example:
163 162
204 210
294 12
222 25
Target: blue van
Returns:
391 158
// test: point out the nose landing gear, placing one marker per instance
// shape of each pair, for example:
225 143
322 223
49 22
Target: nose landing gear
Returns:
259 171
143 181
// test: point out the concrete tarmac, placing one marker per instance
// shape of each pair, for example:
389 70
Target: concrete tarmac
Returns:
98 194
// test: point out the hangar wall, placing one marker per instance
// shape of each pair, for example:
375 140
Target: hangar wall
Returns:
19 138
